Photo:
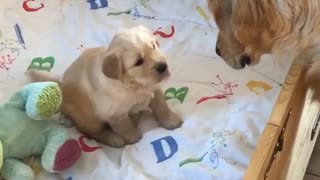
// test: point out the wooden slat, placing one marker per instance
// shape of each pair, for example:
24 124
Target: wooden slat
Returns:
287 93
303 145
264 150
280 165
260 161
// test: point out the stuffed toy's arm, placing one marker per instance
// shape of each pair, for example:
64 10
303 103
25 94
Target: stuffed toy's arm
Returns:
40 100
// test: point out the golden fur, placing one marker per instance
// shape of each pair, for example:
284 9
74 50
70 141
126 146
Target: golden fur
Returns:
107 88
254 27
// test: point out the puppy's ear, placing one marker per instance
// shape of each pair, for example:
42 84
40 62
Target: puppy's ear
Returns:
112 67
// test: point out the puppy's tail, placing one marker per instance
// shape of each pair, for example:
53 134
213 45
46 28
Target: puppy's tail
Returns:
42 76
313 80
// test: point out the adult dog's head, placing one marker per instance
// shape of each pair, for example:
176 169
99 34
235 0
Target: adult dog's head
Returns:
134 55
246 30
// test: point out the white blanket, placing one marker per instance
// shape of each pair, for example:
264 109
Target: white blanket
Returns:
224 110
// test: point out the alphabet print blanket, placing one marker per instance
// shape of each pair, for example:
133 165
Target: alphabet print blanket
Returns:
224 110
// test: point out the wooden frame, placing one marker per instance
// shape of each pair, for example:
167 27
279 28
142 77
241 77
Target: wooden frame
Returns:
286 143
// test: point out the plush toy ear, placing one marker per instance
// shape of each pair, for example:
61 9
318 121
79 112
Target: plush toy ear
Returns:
43 99
112 67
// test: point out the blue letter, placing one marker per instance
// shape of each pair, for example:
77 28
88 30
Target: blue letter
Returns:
94 5
158 148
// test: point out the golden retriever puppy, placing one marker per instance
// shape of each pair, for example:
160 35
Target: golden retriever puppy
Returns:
251 28
106 88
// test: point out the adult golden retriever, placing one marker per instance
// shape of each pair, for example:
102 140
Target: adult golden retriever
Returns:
250 28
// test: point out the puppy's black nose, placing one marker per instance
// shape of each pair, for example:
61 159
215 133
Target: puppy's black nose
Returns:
218 52
245 60
161 67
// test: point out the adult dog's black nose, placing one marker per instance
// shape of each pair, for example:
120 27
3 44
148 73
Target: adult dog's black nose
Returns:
161 67
218 52
245 60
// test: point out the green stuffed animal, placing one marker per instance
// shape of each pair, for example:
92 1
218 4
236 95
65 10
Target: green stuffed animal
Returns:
25 130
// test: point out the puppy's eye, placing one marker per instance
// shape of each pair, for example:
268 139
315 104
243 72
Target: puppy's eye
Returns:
139 62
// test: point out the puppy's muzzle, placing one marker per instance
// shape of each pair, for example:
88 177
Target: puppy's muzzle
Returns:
161 67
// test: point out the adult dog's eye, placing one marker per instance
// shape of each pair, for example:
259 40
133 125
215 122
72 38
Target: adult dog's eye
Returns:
139 62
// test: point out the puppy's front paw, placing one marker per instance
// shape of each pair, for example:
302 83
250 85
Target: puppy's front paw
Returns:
65 121
115 141
132 136
174 121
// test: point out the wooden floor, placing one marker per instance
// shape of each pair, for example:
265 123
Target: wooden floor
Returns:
313 170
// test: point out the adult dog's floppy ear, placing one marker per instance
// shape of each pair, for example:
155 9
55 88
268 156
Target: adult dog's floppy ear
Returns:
112 67
221 10
248 13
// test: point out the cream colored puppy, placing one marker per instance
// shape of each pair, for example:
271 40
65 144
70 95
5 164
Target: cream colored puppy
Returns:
106 88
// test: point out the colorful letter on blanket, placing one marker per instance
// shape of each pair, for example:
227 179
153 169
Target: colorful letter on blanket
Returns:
258 87
158 148
28 8
173 93
163 34
94 5
85 147
45 64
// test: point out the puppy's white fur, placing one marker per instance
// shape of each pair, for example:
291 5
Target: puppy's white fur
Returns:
110 86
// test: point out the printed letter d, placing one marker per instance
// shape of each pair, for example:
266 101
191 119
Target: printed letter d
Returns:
158 148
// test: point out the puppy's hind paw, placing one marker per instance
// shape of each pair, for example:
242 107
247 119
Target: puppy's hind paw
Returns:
113 139
65 121
174 121
119 142
133 136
